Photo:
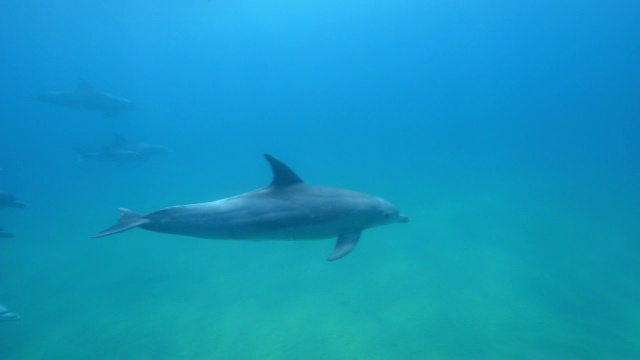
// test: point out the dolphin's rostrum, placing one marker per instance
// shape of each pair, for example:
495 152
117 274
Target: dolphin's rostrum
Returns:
287 209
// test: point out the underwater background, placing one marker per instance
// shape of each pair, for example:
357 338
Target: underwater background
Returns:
507 131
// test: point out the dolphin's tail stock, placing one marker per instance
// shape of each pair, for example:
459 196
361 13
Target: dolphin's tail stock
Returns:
128 220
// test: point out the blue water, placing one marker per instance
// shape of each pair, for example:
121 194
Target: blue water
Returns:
507 131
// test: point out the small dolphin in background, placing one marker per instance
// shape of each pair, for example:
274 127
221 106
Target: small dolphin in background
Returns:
9 201
145 151
6 315
87 98
287 209
122 151
5 234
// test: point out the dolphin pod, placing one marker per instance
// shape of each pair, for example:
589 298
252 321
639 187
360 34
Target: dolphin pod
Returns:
287 209
9 201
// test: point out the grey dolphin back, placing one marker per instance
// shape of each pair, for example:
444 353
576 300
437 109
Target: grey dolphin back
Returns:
282 174
128 220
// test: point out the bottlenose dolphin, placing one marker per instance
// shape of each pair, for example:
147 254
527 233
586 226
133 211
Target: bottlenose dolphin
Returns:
5 315
287 209
88 98
9 201
120 150
5 234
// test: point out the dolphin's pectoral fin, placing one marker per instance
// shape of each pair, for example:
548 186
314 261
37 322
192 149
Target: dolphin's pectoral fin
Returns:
345 243
128 220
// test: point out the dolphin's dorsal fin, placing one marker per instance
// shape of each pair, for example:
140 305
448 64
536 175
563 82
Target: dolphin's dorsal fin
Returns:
282 174
84 85
119 141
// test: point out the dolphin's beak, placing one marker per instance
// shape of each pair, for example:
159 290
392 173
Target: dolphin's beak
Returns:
403 218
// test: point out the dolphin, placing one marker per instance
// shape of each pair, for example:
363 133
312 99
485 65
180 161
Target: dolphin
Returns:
5 234
9 201
120 150
5 315
88 98
287 209
145 151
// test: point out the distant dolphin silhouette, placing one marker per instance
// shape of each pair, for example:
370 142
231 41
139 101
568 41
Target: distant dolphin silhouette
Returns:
9 201
6 315
121 151
144 150
287 209
5 234
87 98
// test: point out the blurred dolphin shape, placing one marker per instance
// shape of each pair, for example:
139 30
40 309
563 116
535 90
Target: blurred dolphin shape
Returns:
9 201
6 315
120 150
88 98
4 234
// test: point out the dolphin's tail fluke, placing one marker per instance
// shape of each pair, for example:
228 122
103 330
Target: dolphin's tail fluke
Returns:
128 220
